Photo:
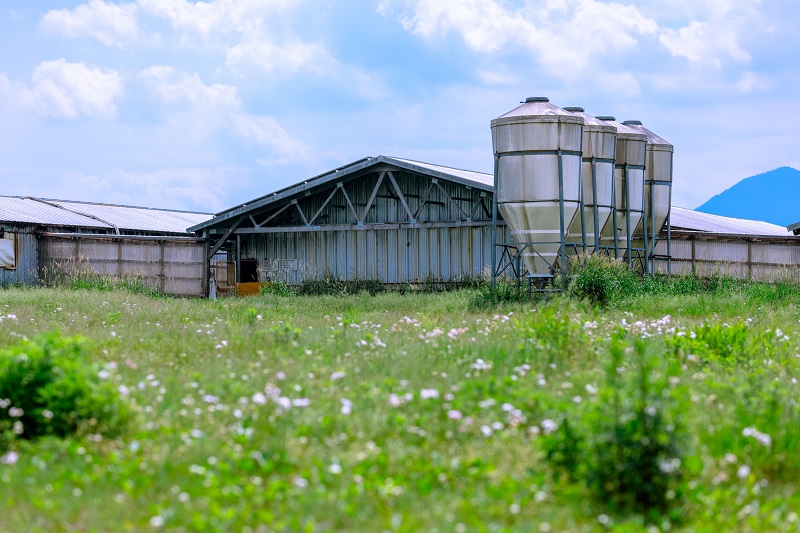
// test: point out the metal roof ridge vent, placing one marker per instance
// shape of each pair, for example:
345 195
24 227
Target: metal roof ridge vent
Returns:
87 215
535 99
574 109
632 123
606 118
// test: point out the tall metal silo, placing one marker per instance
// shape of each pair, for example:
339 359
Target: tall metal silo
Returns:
658 183
628 187
537 149
597 172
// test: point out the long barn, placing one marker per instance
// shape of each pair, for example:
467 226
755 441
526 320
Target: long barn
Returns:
400 221
380 218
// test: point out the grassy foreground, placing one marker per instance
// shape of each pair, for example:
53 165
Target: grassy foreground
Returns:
421 412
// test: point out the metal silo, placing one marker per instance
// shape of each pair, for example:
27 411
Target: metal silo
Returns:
599 151
658 183
537 149
628 186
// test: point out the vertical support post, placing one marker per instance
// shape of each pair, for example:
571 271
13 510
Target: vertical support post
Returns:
238 259
494 225
614 213
595 211
749 259
644 228
518 271
628 215
583 211
162 285
563 244
694 256
205 283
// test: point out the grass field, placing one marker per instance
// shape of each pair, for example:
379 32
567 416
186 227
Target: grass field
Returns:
672 409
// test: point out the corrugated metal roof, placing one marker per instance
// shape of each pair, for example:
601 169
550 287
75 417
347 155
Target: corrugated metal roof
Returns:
28 211
464 177
480 177
687 219
682 219
67 213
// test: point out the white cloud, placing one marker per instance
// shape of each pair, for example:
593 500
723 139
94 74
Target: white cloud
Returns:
189 89
111 24
564 35
218 105
254 36
60 89
702 41
172 188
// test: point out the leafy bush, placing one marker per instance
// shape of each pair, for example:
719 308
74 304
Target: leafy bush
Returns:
601 279
627 445
47 387
278 288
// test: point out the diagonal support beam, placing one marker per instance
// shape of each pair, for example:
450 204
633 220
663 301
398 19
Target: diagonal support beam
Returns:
475 209
353 209
273 215
214 249
302 215
402 198
325 203
425 198
372 197
447 195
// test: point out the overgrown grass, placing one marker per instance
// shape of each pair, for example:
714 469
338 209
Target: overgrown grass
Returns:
419 411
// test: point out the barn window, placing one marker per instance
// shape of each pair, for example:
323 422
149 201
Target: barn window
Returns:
8 251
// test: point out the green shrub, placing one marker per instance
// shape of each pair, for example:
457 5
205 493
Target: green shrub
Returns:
627 445
48 387
278 288
635 444
601 280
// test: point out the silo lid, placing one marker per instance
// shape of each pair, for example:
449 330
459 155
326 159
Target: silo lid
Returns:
591 123
539 106
652 138
623 131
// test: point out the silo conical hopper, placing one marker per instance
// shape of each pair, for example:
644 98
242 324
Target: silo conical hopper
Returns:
628 184
658 181
597 173
538 151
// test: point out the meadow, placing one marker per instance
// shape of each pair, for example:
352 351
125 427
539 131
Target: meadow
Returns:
669 407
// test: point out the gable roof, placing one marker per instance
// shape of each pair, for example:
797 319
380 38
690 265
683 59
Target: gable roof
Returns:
66 213
352 170
683 220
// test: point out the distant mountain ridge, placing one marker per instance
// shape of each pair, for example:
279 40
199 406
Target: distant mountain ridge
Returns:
773 196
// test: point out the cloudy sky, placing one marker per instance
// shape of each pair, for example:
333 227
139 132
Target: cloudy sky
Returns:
202 105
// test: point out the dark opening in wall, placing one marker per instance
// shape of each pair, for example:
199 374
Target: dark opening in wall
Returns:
249 270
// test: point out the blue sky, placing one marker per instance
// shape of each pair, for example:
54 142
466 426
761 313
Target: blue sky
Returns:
202 105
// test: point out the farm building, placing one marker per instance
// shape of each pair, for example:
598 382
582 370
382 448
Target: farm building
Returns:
397 221
43 239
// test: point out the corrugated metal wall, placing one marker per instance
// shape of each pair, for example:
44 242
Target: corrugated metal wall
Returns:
389 255
27 253
172 267
744 258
